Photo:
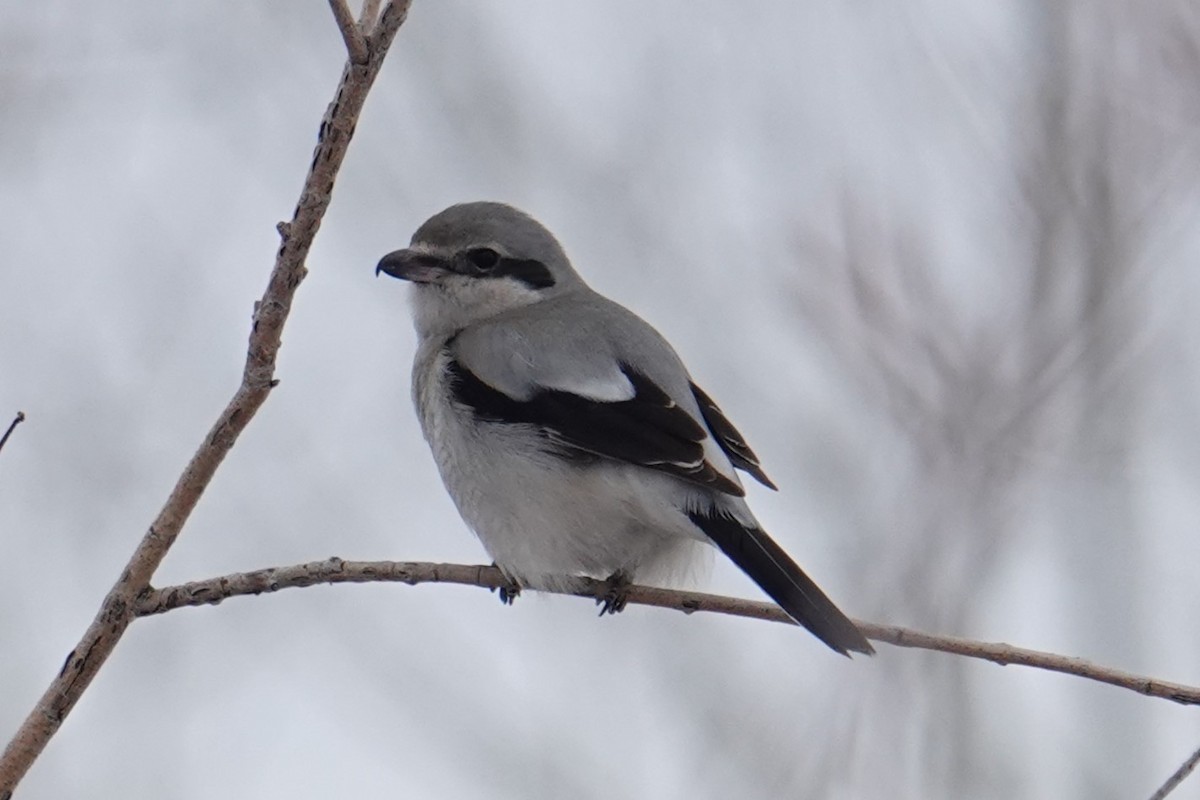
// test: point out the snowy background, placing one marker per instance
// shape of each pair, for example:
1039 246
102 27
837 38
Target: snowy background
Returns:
938 261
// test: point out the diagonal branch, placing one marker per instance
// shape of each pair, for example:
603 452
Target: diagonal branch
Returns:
1177 777
17 420
258 378
335 570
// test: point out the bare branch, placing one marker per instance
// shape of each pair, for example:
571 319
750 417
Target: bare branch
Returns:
335 570
17 420
1173 782
368 15
258 378
356 45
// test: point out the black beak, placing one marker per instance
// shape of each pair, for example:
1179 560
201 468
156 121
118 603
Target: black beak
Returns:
413 265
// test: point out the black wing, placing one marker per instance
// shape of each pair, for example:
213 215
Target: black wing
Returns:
649 429
730 440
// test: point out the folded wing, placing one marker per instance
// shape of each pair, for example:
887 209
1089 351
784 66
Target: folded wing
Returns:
648 429
730 440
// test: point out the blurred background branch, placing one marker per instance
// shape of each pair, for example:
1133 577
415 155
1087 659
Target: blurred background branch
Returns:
1021 396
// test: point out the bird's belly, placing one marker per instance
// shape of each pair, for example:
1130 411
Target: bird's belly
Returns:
543 519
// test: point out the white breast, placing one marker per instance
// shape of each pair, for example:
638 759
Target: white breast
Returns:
543 519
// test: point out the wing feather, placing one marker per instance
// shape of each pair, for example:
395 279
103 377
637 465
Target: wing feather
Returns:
730 440
649 429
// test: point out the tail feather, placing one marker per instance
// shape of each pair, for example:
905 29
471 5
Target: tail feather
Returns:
781 578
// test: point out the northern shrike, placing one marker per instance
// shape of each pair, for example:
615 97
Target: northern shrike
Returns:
567 430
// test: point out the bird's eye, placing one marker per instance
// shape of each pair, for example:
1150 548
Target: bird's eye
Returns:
485 259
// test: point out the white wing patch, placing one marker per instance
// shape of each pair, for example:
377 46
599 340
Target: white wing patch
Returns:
613 387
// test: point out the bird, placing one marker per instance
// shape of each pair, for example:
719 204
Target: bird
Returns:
566 429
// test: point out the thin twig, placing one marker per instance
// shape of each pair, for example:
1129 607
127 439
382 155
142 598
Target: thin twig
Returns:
17 420
1177 778
356 45
368 15
335 570
258 378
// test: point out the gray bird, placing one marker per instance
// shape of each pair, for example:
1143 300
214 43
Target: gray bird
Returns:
567 430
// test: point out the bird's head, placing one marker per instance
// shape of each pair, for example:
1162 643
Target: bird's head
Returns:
474 261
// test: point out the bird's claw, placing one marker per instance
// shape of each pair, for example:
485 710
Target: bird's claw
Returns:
508 591
616 594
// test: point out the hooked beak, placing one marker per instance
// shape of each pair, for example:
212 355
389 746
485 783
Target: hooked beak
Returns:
413 265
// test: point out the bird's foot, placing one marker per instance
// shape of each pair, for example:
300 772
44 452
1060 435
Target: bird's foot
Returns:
616 593
508 591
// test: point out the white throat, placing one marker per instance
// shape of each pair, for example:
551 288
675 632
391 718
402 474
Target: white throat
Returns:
441 310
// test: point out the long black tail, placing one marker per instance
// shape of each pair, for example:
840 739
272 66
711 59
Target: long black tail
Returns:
778 575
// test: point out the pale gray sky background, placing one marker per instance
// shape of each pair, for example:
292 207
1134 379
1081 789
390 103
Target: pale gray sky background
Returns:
937 261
